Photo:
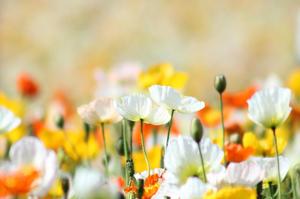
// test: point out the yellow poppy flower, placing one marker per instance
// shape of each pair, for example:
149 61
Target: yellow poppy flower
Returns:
162 74
154 155
78 148
16 106
265 145
294 82
232 193
56 190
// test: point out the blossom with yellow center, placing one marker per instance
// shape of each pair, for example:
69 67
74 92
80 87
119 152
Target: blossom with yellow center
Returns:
162 74
232 193
264 145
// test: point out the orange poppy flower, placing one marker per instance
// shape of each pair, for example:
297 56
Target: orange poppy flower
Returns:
17 182
211 117
236 153
27 86
239 99
234 127
151 185
148 129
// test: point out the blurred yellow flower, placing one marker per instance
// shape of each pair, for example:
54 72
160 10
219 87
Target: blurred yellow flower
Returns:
232 193
265 145
154 155
16 134
56 190
294 82
162 74
16 106
73 143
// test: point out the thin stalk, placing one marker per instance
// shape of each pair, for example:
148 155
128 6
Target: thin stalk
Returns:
144 148
223 128
169 128
202 163
271 189
130 140
125 149
278 165
293 184
105 150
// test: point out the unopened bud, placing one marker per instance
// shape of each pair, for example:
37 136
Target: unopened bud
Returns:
65 185
140 184
120 146
60 121
104 159
130 167
197 130
87 130
220 83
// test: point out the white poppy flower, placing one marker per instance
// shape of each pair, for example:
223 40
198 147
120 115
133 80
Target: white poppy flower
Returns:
99 111
90 183
182 159
269 167
171 99
194 188
30 152
247 173
8 121
270 107
138 107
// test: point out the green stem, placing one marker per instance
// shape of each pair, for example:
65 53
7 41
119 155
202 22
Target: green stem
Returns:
125 149
202 163
271 189
169 128
105 150
144 148
293 184
223 128
278 165
130 141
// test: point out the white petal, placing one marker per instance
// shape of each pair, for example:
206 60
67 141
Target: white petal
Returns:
88 114
8 121
134 107
29 150
165 96
247 173
105 110
193 189
190 105
49 175
158 116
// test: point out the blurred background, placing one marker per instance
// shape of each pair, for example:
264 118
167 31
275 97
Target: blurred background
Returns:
62 43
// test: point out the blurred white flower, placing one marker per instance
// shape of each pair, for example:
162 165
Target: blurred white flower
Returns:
171 99
30 152
99 111
120 80
194 188
270 107
182 160
138 107
89 183
143 175
247 173
8 121
269 167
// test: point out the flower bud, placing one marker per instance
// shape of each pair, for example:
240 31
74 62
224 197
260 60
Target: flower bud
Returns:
120 146
65 185
104 157
140 184
130 167
60 121
87 130
220 83
197 130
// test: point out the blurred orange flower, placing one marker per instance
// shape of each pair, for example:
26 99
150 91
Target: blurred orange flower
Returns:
148 131
27 86
239 99
236 152
17 182
211 117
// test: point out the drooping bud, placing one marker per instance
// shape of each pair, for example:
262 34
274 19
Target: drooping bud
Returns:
130 168
104 159
140 184
60 121
65 185
197 130
87 130
220 83
120 146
